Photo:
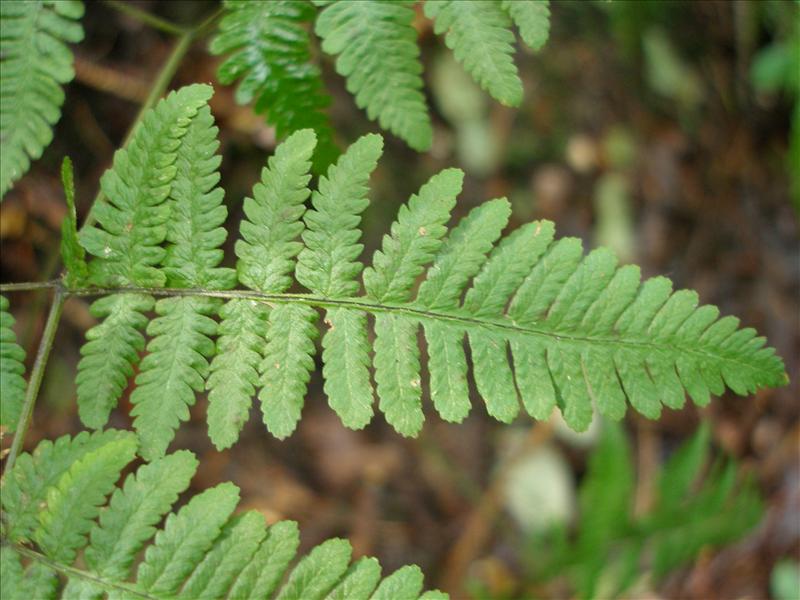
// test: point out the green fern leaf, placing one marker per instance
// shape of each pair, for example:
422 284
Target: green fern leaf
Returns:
479 34
376 48
12 371
180 546
72 253
533 19
318 572
287 365
130 519
75 500
133 222
268 47
25 488
546 326
202 551
406 582
233 378
36 63
327 264
110 354
267 254
268 248
174 369
262 574
359 582
194 229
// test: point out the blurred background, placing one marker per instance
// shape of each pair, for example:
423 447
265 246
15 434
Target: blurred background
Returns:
668 131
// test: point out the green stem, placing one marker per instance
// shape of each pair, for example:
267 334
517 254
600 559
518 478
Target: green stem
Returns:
146 17
503 326
72 572
37 374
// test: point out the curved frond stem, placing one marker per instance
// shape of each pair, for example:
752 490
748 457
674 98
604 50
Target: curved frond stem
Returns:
29 286
37 374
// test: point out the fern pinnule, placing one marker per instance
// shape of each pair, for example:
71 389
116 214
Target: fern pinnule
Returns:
203 550
12 371
35 64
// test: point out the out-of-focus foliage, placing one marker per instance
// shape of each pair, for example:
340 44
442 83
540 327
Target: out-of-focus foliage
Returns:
776 69
700 501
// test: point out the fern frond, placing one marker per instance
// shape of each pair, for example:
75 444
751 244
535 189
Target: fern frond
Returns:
110 353
546 326
202 551
268 51
36 63
132 224
376 48
479 34
532 17
12 371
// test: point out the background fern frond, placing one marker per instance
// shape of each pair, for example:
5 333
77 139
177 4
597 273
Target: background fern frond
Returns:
12 371
693 509
202 551
376 49
532 17
36 63
268 51
479 34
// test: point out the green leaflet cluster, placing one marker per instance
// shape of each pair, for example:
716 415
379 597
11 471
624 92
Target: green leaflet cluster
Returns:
67 517
546 326
697 505
35 64
268 51
12 370
376 50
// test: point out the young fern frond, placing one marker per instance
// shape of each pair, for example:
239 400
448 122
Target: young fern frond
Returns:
268 50
546 326
12 371
376 48
36 62
64 524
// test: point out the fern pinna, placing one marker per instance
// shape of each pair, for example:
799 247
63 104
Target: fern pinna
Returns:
61 526
546 326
